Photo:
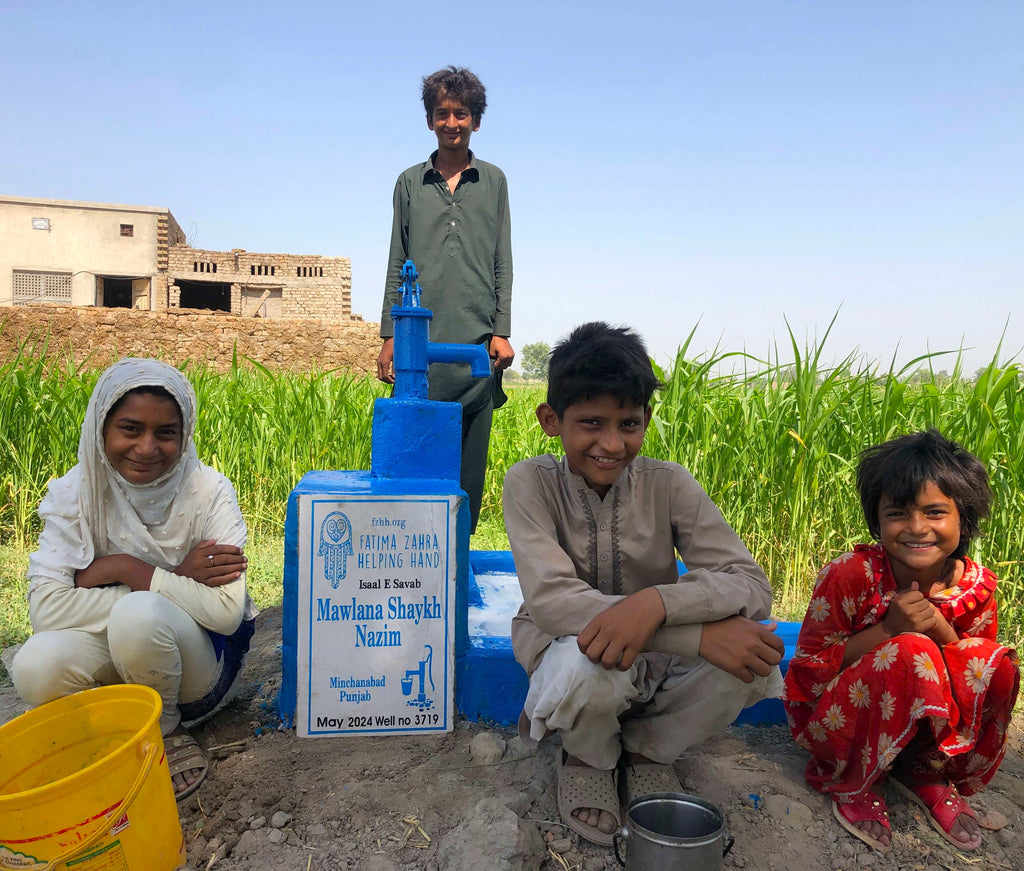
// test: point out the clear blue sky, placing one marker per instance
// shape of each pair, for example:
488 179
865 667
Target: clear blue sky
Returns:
736 164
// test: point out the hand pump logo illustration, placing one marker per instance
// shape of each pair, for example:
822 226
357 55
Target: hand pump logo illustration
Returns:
335 546
422 673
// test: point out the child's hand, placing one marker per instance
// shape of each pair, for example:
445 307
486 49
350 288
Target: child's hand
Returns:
213 564
615 636
942 632
743 647
910 611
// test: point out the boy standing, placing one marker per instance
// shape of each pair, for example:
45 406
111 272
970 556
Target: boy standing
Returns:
623 653
452 220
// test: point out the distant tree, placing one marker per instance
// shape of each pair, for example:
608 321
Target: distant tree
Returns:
535 360
786 374
925 375
511 375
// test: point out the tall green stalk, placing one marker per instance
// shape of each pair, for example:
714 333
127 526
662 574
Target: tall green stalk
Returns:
775 443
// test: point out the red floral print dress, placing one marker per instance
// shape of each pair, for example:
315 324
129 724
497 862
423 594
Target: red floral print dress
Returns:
856 720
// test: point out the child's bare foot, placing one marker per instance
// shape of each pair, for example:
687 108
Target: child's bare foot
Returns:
598 819
185 779
966 830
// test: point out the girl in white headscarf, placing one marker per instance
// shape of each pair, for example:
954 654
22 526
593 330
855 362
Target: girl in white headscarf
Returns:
140 572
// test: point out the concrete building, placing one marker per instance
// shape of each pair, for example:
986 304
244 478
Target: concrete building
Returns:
95 254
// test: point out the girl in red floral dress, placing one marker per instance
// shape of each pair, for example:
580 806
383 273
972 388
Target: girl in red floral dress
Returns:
897 672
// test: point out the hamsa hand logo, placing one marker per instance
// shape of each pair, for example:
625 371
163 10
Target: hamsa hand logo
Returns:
335 546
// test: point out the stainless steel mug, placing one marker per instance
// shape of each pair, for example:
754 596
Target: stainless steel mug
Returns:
672 831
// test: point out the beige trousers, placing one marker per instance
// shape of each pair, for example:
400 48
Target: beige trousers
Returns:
659 707
149 640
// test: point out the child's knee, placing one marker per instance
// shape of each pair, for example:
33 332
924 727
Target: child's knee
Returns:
38 670
581 671
595 687
914 643
903 656
715 690
136 624
140 608
1005 680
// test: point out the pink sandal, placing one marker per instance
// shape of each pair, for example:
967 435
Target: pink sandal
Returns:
942 805
858 810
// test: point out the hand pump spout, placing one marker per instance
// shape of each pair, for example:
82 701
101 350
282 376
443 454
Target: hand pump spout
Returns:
475 355
414 352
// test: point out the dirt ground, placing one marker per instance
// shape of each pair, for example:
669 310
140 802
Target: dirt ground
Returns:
274 801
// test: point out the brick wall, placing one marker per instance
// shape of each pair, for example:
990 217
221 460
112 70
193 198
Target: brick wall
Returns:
310 286
104 335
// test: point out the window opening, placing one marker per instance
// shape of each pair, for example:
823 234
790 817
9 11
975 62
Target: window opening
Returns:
36 287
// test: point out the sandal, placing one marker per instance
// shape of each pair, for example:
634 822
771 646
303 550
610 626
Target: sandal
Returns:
646 778
184 754
868 807
583 786
942 804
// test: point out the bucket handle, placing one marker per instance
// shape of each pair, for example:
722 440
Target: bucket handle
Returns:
151 753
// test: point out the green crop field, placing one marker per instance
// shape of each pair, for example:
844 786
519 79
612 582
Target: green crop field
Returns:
774 444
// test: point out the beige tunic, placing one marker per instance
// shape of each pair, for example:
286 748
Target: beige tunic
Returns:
576 555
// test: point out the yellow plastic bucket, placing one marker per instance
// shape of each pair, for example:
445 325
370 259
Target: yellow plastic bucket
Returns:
84 786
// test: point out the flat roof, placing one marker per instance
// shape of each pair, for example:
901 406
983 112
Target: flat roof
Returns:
78 204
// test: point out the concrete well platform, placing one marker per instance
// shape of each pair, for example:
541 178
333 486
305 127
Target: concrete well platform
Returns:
491 685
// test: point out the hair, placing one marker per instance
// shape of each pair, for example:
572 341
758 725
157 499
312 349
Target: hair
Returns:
596 359
152 390
454 83
901 468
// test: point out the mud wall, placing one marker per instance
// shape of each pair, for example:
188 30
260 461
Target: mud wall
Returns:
104 335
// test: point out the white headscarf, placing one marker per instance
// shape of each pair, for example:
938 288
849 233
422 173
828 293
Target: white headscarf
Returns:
93 511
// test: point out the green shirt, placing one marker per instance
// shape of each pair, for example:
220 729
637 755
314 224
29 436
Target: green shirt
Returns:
461 245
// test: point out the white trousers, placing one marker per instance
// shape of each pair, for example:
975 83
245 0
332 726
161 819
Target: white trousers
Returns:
659 707
149 641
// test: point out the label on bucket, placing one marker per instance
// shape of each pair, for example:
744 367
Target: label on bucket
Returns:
18 861
376 615
106 857
120 825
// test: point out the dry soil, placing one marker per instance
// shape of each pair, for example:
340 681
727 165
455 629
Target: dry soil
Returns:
275 801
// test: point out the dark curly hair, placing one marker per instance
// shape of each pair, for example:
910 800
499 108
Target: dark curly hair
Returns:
900 468
596 359
458 84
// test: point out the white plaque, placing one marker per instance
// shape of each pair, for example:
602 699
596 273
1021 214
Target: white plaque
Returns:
376 617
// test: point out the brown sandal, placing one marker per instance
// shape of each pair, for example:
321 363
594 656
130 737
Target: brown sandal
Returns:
583 786
646 778
184 754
